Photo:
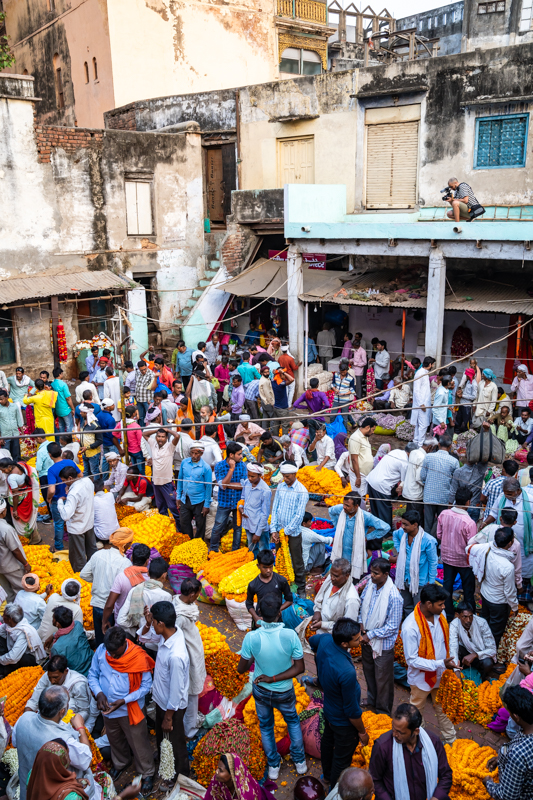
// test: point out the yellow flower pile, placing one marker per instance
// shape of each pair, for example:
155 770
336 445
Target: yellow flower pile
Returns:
154 530
234 586
97 756
488 694
283 559
222 564
280 728
54 573
325 482
226 543
375 726
124 511
468 762
212 639
17 688
192 553
40 559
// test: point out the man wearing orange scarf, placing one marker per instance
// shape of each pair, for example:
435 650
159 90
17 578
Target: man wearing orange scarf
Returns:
426 646
120 678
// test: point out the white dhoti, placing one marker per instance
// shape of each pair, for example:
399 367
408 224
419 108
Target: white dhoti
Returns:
420 420
132 500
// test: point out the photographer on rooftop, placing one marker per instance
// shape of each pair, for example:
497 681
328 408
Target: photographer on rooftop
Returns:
462 201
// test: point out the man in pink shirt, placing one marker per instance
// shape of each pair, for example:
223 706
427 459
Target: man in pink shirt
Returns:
124 583
454 530
135 435
358 364
249 431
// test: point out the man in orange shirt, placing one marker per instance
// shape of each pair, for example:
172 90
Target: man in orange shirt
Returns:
288 363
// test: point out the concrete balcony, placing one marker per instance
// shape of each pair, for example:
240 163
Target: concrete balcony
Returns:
304 10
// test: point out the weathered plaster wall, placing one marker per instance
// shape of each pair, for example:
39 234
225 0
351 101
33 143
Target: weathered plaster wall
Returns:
326 97
34 348
213 111
77 32
164 47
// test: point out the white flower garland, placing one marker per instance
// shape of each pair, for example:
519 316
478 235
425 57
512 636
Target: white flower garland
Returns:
166 764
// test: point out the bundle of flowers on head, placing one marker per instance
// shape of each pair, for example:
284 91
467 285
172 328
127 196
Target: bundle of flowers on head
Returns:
229 736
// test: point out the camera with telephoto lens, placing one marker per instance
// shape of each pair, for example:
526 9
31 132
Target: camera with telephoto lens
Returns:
446 193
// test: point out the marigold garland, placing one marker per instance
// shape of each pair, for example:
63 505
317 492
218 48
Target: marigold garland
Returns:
154 530
283 558
230 736
222 666
488 694
258 761
212 639
280 728
55 573
325 482
375 726
97 756
124 511
398 652
192 553
234 586
468 762
226 543
220 565
17 688
450 696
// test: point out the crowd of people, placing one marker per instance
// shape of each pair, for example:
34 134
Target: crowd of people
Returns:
211 441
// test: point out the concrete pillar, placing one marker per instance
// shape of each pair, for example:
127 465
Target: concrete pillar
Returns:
295 312
137 313
435 304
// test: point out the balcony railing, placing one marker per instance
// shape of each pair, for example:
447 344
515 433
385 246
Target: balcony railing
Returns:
308 10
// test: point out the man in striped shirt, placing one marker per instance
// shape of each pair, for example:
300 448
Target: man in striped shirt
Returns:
463 200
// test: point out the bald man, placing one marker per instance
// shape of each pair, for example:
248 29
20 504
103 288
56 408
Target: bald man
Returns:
354 784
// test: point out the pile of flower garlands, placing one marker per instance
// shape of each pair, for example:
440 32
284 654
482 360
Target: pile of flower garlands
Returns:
17 688
234 586
54 573
513 632
192 553
97 756
326 482
212 639
398 652
222 666
280 728
222 564
230 736
155 530
124 511
468 762
226 543
463 700
283 559
375 726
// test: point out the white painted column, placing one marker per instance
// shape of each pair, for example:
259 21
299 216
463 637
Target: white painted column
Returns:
435 304
295 311
137 316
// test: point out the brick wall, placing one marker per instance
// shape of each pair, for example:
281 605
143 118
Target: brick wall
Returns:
69 139
121 120
232 251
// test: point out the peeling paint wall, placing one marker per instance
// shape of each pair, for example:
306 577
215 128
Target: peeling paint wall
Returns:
165 47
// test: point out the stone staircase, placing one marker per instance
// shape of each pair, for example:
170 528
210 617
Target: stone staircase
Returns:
210 272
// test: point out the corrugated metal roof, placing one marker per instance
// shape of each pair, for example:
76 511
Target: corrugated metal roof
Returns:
269 279
483 295
46 284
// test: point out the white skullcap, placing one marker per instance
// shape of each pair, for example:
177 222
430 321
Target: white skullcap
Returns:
255 468
296 426
284 347
288 469
2 504
197 446
107 402
522 368
245 417
111 456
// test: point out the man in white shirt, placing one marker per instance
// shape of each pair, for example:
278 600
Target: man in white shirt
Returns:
493 566
471 641
162 446
105 514
58 674
83 386
424 674
325 449
112 392
326 341
117 476
32 604
421 414
77 509
381 364
382 482
20 644
361 455
212 453
513 496
413 488
101 570
170 689
144 594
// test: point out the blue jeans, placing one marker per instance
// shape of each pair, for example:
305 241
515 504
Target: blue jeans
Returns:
137 460
379 383
91 466
262 544
65 424
474 512
221 520
104 466
59 525
265 702
142 408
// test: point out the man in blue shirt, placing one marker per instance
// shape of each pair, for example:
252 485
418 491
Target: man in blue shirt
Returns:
195 484
100 376
183 361
410 578
42 463
107 421
230 475
247 372
288 512
375 528
257 496
343 723
87 399
281 400
278 656
64 408
91 362
57 489
253 336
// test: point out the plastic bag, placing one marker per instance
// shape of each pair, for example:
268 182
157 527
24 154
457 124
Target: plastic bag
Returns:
239 614
336 427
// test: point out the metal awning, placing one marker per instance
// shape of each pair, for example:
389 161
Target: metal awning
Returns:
269 279
482 295
53 282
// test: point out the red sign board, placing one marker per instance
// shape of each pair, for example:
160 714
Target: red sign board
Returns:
314 260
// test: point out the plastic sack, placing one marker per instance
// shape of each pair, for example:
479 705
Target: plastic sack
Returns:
383 431
295 614
209 593
312 724
336 427
177 573
239 614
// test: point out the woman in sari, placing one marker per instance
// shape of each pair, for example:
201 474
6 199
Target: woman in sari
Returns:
43 403
24 489
233 781
51 778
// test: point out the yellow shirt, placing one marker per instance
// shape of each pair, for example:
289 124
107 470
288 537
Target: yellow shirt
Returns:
43 410
359 445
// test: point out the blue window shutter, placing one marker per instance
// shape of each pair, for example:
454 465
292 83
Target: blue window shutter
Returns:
501 141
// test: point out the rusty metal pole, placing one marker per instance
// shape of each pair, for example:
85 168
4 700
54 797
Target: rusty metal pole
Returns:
404 314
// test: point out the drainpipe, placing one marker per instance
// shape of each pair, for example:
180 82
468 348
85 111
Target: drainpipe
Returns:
238 129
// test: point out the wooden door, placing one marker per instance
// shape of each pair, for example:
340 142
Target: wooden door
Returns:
215 184
296 159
